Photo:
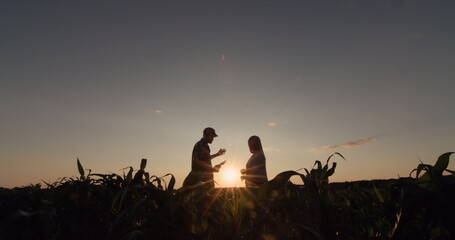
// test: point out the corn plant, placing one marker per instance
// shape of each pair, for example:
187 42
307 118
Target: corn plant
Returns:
428 202
139 205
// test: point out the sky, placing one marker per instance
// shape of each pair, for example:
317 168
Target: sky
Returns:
112 82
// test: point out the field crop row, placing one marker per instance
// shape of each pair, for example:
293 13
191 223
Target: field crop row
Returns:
138 205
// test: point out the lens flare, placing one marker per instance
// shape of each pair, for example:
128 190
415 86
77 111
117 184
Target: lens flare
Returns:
230 176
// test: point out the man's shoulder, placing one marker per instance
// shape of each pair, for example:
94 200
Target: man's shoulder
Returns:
200 143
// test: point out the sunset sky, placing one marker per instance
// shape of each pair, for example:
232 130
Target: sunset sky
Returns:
111 82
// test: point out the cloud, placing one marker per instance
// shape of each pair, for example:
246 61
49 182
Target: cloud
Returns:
271 124
356 143
158 111
270 149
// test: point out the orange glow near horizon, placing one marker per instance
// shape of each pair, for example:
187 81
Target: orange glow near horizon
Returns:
229 176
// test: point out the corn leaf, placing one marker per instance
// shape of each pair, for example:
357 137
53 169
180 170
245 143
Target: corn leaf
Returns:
318 163
331 171
147 177
336 153
281 179
324 169
114 202
129 176
143 163
138 177
124 194
80 168
307 172
378 194
420 168
171 184
442 163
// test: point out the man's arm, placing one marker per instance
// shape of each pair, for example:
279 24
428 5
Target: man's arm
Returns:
219 153
218 166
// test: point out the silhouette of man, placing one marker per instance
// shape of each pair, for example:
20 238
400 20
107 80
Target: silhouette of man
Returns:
201 161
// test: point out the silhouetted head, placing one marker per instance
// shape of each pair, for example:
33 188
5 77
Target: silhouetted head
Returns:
254 142
209 134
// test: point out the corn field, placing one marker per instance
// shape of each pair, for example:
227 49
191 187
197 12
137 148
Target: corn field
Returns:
138 205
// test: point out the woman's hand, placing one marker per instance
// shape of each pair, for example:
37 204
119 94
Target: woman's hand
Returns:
243 172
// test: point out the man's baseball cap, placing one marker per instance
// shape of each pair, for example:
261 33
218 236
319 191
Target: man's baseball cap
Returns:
210 131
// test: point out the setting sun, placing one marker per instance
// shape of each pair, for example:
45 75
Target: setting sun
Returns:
230 177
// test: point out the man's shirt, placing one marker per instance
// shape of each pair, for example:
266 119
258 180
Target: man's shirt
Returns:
201 162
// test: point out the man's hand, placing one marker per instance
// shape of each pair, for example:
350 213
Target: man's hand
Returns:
218 166
221 152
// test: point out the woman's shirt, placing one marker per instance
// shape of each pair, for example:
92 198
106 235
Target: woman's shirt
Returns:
255 172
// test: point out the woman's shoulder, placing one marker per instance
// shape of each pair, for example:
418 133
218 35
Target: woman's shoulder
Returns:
257 156
260 154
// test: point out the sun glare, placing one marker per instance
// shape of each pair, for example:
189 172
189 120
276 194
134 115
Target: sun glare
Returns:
230 177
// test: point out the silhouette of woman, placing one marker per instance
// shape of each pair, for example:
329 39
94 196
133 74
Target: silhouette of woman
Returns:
255 173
